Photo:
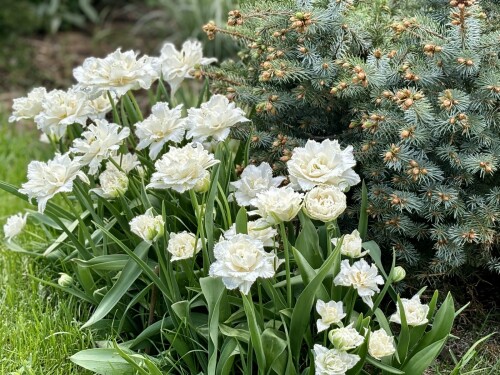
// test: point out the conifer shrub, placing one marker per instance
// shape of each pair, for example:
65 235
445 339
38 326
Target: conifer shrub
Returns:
418 96
286 70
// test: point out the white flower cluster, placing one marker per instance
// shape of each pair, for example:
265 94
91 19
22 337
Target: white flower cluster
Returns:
210 122
344 339
100 81
120 71
254 180
380 343
55 110
323 170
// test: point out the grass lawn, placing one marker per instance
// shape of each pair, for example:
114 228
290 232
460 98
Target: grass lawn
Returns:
38 331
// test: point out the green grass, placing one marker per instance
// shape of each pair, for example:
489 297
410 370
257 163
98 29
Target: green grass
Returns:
38 330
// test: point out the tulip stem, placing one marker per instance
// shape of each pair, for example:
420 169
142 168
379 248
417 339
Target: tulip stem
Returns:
194 203
287 264
328 238
261 306
200 232
329 249
116 116
135 104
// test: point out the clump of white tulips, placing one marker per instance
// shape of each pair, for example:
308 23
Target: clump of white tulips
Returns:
206 267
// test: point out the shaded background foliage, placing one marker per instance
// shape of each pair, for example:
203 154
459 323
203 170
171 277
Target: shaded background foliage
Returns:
42 40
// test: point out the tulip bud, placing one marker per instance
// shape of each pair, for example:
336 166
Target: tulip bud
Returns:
399 274
64 280
203 185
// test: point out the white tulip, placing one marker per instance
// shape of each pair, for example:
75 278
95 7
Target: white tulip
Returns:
277 205
333 361
254 180
241 260
330 312
14 225
345 338
47 179
351 245
28 107
415 312
324 203
399 274
61 109
183 245
177 65
361 277
99 142
114 183
163 125
381 344
118 72
149 227
181 169
322 163
64 280
214 119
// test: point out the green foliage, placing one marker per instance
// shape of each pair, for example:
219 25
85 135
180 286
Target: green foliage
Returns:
492 9
417 96
56 14
21 17
17 18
